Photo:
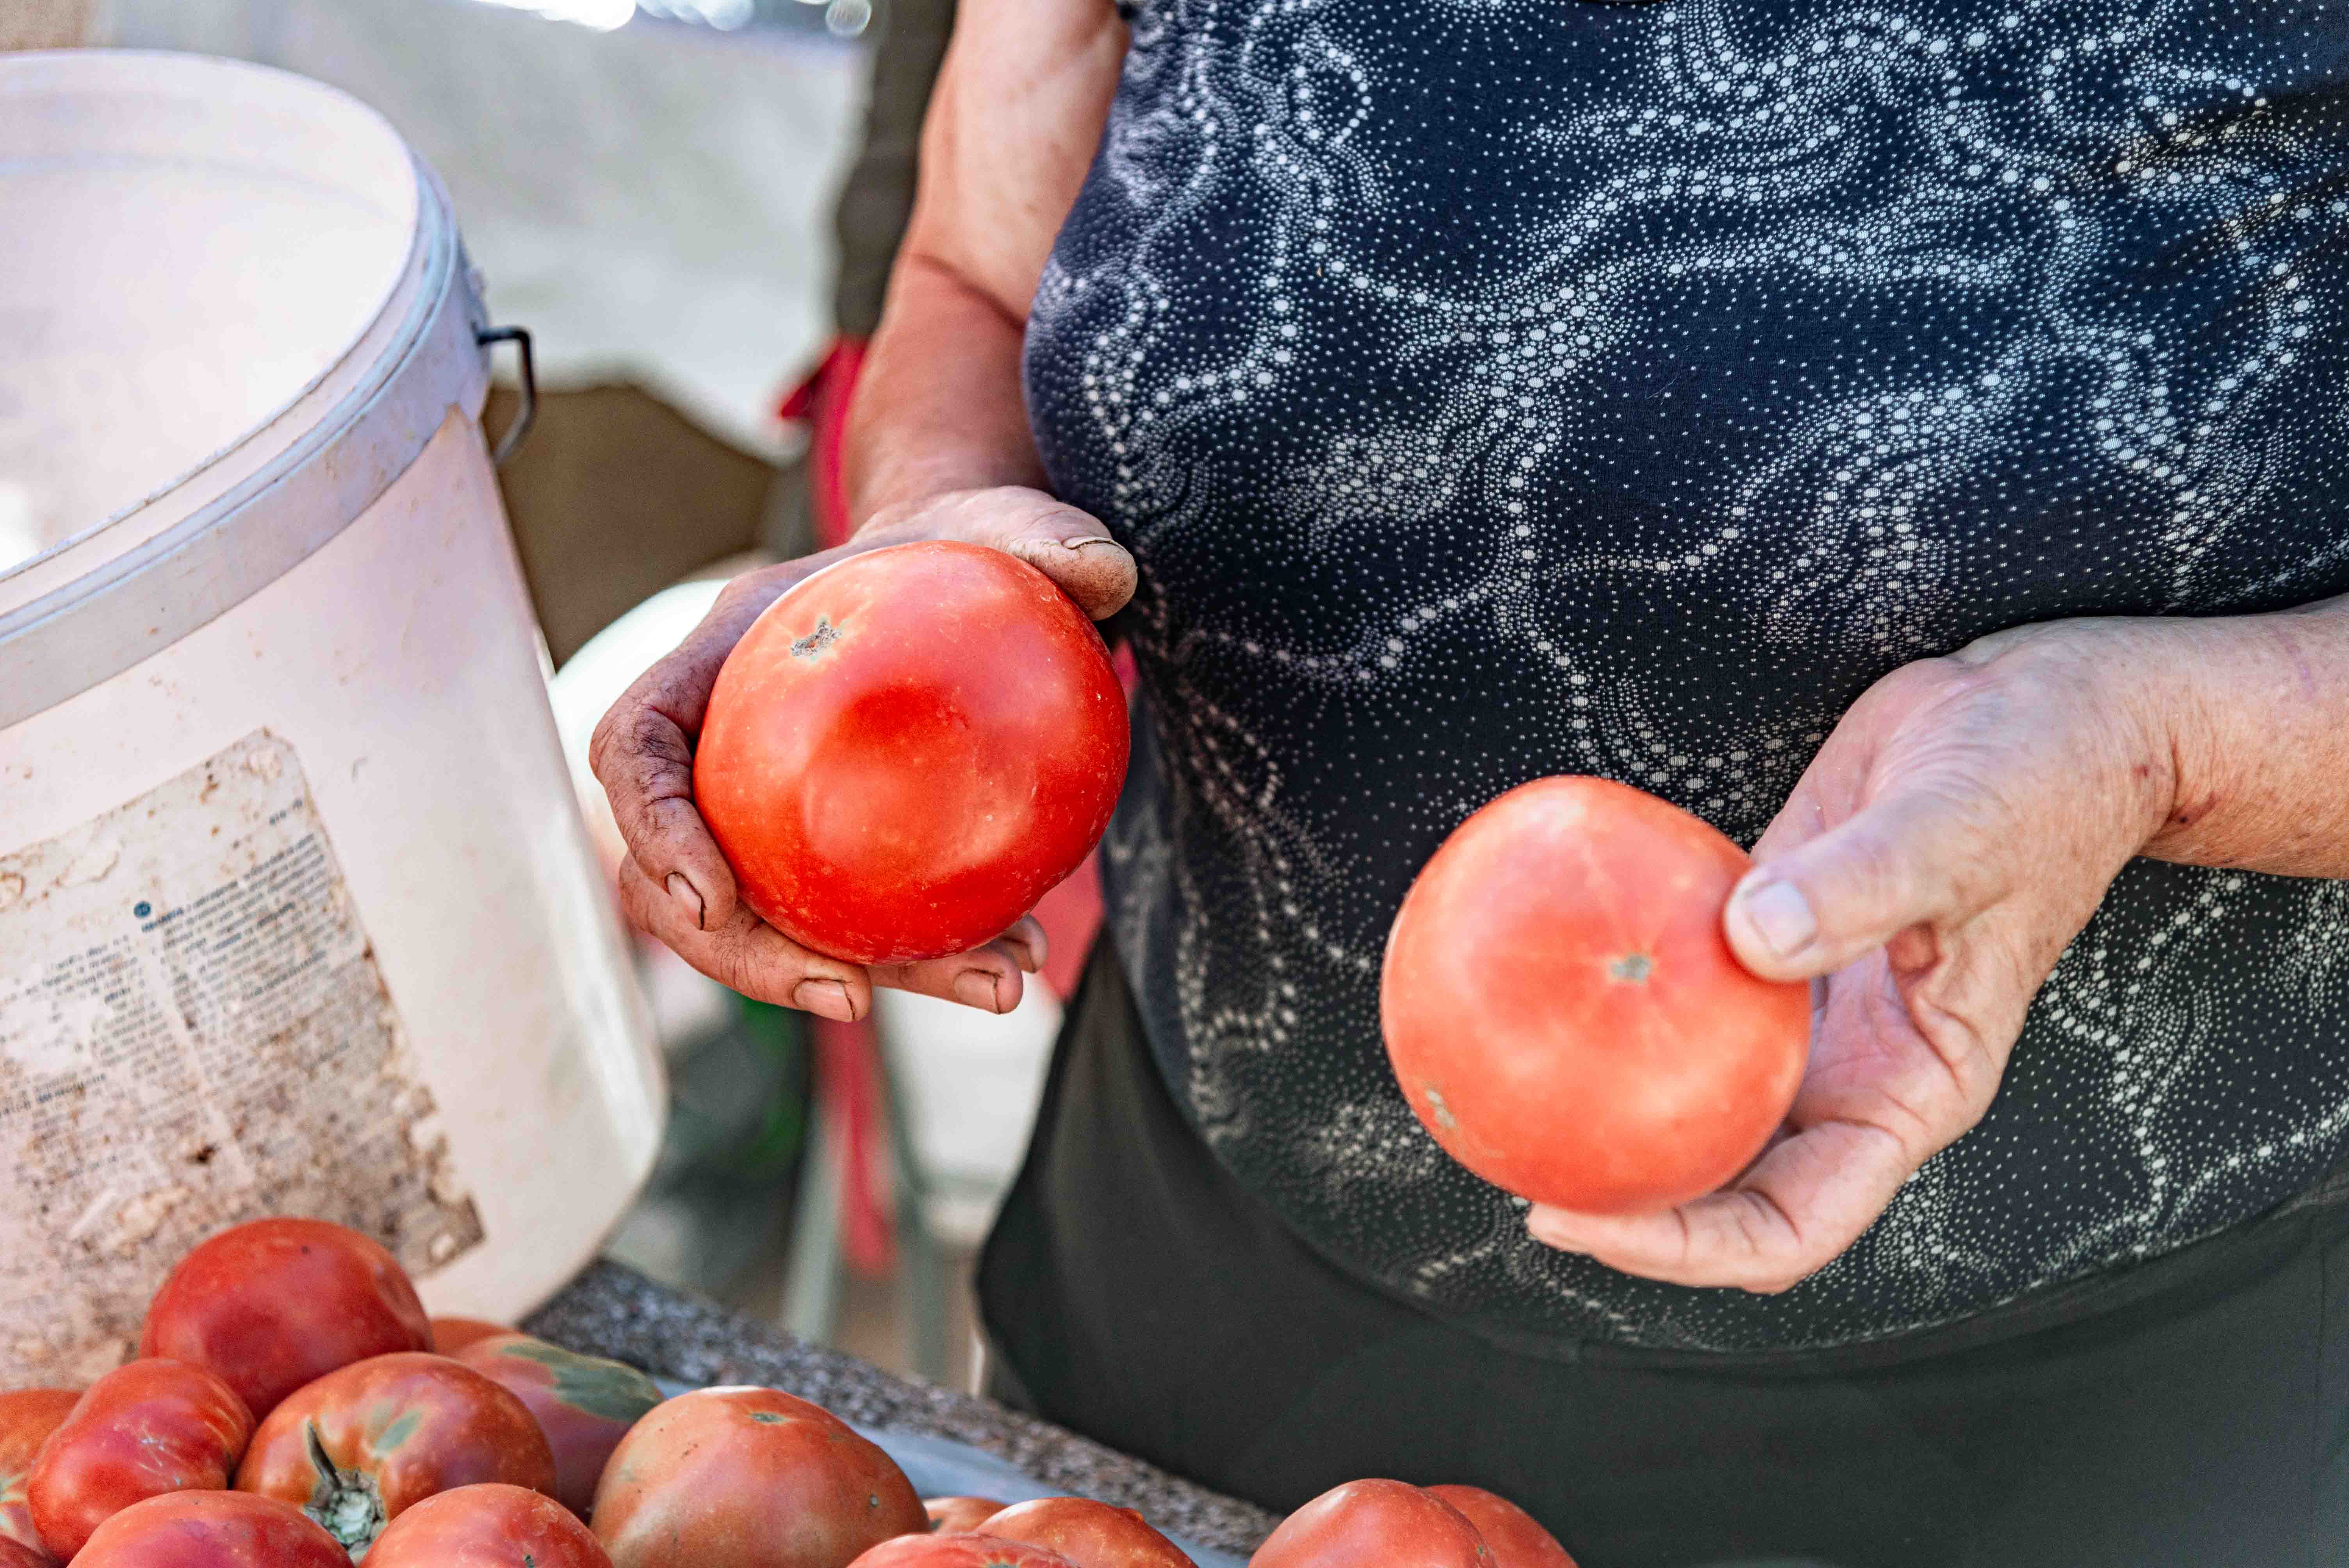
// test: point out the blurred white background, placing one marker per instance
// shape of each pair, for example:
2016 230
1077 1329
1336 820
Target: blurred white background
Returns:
652 200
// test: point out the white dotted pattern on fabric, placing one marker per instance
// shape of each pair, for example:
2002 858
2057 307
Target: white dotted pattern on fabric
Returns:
1491 389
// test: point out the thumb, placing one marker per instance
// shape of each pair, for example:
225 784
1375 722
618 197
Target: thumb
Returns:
1070 546
1913 859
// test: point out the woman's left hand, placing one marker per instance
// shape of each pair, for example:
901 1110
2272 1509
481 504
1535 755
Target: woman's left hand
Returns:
1952 836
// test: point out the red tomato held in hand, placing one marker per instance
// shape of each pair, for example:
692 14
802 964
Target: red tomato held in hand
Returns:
364 1444
273 1303
1374 1524
955 1515
748 1477
210 1530
1515 1537
147 1428
908 749
451 1335
27 1417
488 1526
1088 1534
585 1404
959 1551
1566 1017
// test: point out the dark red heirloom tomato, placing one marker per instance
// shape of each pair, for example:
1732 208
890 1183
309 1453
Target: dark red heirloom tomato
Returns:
365 1443
210 1530
451 1335
1387 1523
1088 1534
959 1551
748 1477
147 1428
487 1526
27 1417
908 749
585 1404
273 1303
954 1515
1515 1537
1566 1017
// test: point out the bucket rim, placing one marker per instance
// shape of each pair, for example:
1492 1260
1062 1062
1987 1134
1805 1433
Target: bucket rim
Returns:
332 464
167 74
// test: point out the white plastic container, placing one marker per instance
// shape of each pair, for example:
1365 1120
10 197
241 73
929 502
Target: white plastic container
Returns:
297 914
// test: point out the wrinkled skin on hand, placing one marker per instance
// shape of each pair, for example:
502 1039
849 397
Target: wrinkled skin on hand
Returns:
1948 841
677 886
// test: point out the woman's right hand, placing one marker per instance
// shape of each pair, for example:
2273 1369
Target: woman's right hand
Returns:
675 884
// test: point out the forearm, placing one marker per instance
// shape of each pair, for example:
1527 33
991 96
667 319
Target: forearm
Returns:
938 406
1018 108
2258 715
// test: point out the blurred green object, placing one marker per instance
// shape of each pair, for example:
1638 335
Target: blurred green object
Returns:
717 1205
738 1101
782 1131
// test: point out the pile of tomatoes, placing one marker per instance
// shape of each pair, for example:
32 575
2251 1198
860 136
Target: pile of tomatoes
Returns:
1361 1525
293 1406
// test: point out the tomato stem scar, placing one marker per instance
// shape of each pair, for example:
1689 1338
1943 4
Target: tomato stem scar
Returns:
345 1503
816 642
1634 967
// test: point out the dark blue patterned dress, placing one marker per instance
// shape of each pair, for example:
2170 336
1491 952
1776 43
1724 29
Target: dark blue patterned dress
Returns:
1493 388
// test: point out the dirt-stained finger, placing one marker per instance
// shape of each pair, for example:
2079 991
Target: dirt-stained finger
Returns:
1026 941
1073 548
643 752
748 955
988 978
645 765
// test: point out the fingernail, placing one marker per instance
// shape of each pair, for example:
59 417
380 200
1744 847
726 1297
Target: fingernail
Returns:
825 998
1088 538
976 987
688 898
1780 916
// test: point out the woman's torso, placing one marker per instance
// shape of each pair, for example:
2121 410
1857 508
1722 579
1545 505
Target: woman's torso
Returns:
1491 389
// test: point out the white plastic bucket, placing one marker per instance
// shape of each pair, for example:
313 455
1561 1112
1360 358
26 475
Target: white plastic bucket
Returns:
297 914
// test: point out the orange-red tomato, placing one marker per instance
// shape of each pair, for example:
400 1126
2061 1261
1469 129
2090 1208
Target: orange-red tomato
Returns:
1515 1537
748 1477
210 1530
487 1526
452 1335
585 1404
1564 1014
1088 1534
147 1428
908 749
959 1551
27 1417
364 1444
273 1303
954 1515
1389 1523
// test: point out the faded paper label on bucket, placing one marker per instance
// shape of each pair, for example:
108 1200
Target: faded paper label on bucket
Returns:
193 1032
